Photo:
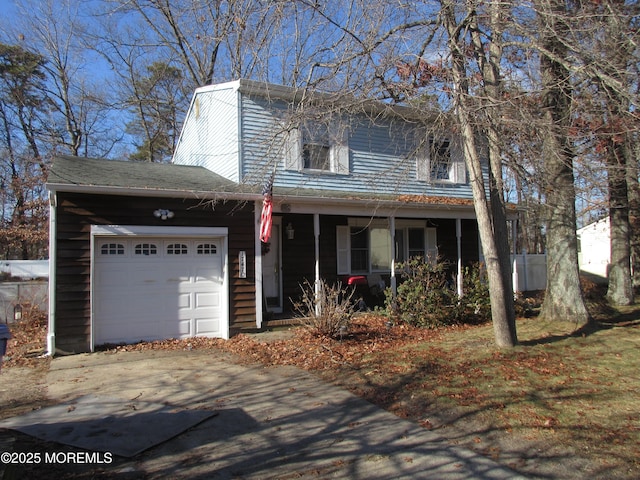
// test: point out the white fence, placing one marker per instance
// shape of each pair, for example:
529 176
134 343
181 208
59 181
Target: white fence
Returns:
25 269
529 272
17 296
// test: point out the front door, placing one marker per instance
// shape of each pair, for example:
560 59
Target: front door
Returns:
271 268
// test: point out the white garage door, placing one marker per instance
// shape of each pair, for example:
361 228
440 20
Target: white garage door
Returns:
149 288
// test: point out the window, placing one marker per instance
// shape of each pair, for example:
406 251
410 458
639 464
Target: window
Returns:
441 165
112 249
359 247
380 249
367 248
316 157
317 148
177 249
145 249
207 249
440 162
415 242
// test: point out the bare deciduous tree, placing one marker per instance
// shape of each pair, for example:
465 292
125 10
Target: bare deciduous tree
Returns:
563 299
491 214
78 121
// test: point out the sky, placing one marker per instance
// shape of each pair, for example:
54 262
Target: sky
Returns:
7 8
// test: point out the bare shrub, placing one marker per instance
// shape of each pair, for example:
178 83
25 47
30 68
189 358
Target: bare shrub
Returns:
328 312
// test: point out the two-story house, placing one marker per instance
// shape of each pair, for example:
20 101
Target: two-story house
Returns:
149 251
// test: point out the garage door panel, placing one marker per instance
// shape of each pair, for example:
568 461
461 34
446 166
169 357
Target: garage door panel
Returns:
207 300
181 329
130 330
184 301
209 273
207 326
153 296
110 277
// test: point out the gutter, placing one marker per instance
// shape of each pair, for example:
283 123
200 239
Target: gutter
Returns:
147 192
284 203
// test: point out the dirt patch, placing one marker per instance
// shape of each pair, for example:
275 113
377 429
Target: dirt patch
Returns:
23 382
23 389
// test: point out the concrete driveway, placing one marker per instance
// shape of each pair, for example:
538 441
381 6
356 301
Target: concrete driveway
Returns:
269 423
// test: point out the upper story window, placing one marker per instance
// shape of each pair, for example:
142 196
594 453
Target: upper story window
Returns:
440 162
317 148
440 165
316 156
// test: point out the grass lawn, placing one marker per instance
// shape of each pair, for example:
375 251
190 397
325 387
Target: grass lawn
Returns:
568 394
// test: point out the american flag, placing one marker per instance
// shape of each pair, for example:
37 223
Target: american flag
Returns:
267 210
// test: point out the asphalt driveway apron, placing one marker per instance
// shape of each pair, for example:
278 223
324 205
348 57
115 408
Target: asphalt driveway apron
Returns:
269 423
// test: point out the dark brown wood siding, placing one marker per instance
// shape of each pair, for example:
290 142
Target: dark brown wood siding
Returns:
76 213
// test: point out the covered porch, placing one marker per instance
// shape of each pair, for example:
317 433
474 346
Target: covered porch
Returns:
358 244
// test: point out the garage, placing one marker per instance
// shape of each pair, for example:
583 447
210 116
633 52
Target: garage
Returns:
158 283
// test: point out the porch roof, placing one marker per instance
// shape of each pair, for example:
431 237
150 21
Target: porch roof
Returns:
115 177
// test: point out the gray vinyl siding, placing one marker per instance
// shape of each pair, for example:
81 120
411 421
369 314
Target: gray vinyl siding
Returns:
263 130
382 156
211 137
245 137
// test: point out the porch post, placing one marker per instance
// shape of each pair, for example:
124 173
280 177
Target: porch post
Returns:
316 234
257 211
459 278
392 226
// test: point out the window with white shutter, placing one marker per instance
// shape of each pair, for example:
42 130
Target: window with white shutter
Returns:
317 148
441 162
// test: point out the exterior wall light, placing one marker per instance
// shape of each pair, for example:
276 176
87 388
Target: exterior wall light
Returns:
290 231
163 214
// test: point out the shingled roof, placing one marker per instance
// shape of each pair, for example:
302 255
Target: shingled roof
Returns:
77 173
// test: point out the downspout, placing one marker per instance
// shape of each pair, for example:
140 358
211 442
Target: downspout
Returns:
51 328
316 235
459 280
257 210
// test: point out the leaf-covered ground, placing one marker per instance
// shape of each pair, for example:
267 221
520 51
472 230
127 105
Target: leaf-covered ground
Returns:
562 404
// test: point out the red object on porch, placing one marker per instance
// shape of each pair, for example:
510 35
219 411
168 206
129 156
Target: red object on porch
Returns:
355 280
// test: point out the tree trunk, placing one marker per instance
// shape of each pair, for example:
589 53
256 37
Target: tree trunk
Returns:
633 191
620 290
502 316
563 299
619 156
503 323
490 67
